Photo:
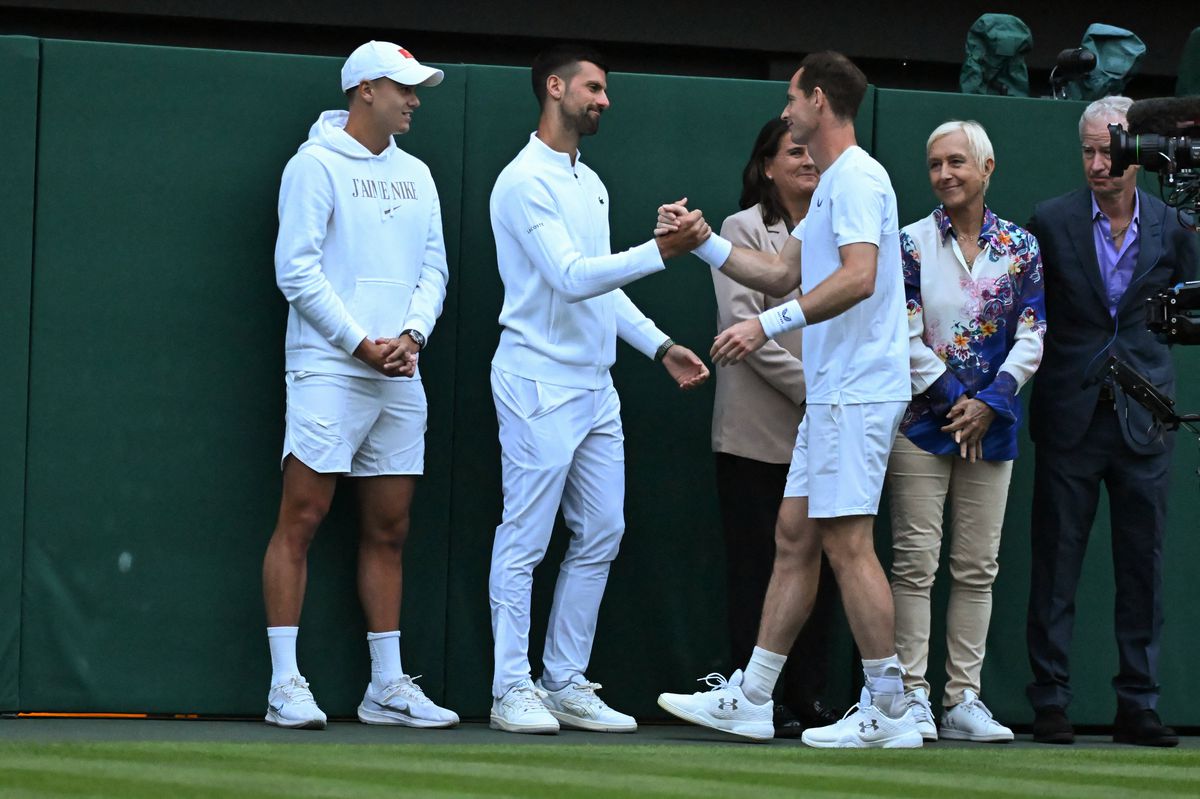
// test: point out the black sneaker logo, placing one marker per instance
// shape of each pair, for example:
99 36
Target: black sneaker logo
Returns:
727 704
602 201
274 708
863 726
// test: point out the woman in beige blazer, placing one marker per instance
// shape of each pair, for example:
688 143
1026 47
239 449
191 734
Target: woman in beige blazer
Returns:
758 406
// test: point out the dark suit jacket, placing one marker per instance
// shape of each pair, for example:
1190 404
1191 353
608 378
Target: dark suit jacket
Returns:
1078 325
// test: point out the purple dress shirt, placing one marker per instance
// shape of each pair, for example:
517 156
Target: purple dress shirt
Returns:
1116 266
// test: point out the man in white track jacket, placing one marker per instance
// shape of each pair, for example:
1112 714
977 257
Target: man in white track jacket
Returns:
559 415
361 261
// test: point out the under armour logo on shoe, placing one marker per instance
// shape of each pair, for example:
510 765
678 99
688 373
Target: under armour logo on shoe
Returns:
863 726
727 704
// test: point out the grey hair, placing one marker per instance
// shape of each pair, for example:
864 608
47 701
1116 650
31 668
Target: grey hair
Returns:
1105 109
979 146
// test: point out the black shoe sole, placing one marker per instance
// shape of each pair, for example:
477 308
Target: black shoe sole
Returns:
1130 739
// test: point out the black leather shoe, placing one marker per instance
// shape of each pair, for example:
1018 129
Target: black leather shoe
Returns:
786 723
1142 727
1051 726
817 714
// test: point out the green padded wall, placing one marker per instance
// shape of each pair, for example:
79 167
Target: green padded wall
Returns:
1037 157
157 387
140 512
18 141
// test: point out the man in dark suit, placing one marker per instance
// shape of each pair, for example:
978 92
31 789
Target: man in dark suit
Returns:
1105 250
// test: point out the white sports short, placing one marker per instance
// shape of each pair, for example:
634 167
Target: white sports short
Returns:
358 426
841 457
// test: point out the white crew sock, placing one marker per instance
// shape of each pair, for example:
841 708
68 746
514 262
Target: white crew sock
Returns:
283 653
385 658
885 683
762 672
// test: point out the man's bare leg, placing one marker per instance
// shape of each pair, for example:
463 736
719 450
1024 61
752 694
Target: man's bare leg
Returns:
849 543
384 504
306 498
794 576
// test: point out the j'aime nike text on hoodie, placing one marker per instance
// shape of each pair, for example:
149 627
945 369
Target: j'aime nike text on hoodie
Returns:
563 307
360 251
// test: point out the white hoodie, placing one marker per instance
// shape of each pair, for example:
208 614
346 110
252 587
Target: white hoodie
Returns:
562 308
360 251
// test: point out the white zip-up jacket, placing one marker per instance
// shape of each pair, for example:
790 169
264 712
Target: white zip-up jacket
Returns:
562 306
360 251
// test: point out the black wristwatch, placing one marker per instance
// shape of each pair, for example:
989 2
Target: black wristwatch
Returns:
415 336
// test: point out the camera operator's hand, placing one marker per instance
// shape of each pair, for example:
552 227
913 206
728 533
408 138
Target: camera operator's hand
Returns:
969 422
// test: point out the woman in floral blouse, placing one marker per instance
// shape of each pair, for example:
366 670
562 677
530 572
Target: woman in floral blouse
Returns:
976 320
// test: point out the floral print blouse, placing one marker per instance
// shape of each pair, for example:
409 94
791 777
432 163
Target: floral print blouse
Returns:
974 329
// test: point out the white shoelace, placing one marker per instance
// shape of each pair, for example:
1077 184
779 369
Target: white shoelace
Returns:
296 691
978 709
921 708
588 692
406 687
716 680
528 697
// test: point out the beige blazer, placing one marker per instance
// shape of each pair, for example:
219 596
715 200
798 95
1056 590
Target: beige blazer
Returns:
760 401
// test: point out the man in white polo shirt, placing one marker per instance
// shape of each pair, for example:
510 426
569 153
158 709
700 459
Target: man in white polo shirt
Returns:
361 262
856 365
559 415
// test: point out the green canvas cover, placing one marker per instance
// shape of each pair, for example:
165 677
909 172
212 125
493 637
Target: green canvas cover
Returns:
1118 53
995 62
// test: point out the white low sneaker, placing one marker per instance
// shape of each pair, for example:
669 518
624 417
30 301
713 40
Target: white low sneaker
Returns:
723 708
578 707
404 703
865 727
291 704
521 710
922 714
970 720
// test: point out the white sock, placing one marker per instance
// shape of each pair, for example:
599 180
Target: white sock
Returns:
385 658
762 672
886 685
283 653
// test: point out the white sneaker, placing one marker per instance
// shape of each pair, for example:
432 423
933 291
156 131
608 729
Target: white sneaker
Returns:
970 720
922 714
865 727
577 706
290 704
724 708
521 710
403 702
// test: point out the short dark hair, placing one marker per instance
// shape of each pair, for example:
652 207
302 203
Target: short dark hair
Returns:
842 82
757 188
552 61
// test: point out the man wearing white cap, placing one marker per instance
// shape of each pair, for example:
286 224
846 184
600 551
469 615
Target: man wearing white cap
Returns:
361 261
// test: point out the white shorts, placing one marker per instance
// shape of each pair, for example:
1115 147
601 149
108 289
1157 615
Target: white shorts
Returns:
358 426
841 457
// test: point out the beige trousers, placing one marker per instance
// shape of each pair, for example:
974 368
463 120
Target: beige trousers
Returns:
918 486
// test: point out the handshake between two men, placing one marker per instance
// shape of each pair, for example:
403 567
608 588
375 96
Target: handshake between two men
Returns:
678 231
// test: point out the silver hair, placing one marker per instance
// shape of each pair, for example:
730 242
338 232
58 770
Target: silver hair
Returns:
1113 108
979 146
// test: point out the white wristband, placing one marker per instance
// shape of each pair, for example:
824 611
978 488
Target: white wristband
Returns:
714 251
782 318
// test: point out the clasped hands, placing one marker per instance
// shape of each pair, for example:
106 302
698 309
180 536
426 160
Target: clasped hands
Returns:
392 357
678 231
969 422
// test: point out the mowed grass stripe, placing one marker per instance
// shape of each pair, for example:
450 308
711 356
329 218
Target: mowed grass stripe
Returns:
131 769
